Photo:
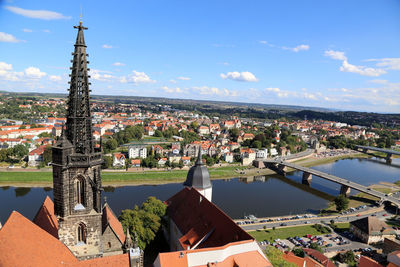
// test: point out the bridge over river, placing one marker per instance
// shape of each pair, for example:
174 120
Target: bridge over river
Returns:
388 152
280 167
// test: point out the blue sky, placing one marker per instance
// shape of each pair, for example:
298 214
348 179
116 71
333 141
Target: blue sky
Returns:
333 54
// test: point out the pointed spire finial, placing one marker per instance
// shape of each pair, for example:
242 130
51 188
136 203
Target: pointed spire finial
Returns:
199 160
80 19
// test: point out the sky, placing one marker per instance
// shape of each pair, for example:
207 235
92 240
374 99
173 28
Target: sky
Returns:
338 54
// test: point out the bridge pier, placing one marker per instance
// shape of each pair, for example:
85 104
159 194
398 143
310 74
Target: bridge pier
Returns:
388 158
307 178
345 190
282 169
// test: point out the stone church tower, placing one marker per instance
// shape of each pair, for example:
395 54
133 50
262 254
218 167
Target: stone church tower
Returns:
77 166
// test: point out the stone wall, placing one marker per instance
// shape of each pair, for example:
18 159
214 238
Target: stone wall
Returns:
68 234
111 244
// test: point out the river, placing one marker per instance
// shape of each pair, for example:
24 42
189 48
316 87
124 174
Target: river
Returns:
263 196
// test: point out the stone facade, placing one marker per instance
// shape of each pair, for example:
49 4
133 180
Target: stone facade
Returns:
111 245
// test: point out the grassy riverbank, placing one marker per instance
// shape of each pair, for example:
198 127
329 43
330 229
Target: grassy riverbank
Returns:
120 178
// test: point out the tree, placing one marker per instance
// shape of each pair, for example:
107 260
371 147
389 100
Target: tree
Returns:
316 247
107 162
348 257
20 151
144 221
298 252
47 155
158 133
341 202
111 144
275 256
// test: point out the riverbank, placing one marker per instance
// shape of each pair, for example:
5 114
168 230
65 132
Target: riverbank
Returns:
121 178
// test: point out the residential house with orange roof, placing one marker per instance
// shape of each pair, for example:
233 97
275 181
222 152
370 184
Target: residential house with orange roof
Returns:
118 160
35 157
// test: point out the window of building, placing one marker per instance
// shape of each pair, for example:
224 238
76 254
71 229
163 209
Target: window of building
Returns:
80 191
109 244
81 233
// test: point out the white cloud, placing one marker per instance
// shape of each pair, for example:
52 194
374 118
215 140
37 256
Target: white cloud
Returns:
106 46
172 90
205 90
244 76
183 78
139 77
365 71
37 14
388 63
298 48
172 81
35 73
266 43
280 93
101 75
335 55
310 96
119 64
55 78
46 31
27 30
347 67
8 74
8 38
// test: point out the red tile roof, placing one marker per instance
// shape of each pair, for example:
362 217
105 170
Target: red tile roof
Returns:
196 217
110 261
46 219
110 218
318 256
368 262
23 243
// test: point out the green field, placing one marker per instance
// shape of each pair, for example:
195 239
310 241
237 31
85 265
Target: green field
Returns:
342 227
134 177
283 233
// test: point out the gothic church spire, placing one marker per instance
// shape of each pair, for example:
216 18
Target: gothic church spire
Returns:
79 122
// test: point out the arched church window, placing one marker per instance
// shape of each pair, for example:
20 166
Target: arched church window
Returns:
81 233
80 191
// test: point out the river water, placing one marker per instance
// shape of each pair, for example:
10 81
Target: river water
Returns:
263 196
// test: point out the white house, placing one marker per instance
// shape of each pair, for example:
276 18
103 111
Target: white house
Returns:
137 152
262 153
273 152
119 160
228 157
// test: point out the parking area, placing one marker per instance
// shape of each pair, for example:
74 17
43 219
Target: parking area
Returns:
332 241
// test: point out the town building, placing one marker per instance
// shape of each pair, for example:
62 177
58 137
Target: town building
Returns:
371 230
137 151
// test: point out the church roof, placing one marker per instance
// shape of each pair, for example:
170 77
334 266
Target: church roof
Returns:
373 226
202 223
46 219
109 218
24 243
198 175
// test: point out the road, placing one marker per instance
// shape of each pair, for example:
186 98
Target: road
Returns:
379 212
